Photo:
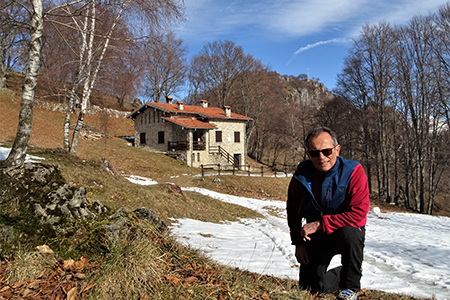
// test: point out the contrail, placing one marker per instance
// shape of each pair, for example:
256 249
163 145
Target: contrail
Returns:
310 46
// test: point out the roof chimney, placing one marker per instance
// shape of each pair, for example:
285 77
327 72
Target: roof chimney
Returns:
168 100
204 103
227 110
180 105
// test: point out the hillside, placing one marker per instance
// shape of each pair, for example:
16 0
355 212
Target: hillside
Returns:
171 271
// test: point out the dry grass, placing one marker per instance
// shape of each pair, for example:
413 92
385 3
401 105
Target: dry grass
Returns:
29 265
130 270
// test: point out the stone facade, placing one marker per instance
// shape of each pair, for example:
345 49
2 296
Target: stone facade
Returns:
197 135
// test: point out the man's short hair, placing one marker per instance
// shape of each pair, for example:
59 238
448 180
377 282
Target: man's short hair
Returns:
316 131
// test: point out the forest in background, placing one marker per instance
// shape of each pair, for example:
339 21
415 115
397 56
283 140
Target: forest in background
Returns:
390 107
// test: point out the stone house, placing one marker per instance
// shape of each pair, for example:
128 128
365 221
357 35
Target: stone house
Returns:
197 135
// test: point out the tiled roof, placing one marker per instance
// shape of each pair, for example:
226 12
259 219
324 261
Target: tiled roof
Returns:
209 112
190 123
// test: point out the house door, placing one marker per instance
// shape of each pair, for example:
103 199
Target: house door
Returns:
237 157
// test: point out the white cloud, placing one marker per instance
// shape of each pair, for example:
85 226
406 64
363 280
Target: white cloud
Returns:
209 19
301 18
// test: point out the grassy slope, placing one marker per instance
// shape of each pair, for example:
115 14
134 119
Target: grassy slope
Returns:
115 191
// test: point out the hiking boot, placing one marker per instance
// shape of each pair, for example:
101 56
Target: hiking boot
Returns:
347 295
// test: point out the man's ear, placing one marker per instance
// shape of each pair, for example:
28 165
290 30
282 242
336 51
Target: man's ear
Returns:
338 149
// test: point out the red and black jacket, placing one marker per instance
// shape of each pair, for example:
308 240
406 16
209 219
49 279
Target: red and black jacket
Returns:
344 202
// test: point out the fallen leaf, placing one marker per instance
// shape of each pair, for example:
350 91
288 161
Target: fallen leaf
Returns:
41 274
190 279
89 287
183 257
44 250
72 294
173 280
264 296
68 263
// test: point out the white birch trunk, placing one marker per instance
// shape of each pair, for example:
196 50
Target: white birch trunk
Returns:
79 77
87 77
16 157
91 76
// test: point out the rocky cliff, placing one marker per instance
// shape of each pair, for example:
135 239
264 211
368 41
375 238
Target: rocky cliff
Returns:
305 91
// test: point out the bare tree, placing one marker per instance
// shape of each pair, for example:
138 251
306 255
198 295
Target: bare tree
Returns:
12 37
352 87
165 67
401 74
216 69
374 51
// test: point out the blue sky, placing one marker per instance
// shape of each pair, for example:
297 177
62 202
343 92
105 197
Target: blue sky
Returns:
293 36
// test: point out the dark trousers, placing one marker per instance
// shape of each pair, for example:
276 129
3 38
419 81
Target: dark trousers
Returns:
347 241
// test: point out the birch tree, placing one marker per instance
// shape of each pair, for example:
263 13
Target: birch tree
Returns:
152 14
16 157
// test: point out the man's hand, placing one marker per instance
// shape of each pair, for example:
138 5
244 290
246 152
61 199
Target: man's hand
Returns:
310 228
301 254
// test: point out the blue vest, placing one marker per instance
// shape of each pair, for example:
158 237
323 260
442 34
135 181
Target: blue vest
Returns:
334 189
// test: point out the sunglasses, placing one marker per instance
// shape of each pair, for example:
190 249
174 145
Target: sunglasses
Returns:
325 152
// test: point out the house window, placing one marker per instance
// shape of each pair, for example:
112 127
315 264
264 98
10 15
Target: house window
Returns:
142 138
218 136
237 137
160 137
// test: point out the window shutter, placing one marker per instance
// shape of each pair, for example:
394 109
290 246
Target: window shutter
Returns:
237 137
218 136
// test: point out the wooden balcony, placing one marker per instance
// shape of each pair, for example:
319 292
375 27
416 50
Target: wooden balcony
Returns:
184 146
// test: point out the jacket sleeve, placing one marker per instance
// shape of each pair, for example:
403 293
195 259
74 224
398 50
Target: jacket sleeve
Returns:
292 208
358 203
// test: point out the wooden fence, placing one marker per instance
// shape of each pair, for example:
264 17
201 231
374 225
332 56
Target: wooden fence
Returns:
278 170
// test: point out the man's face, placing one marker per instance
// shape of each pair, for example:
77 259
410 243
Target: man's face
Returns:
322 162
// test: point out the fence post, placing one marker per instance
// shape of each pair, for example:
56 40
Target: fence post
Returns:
262 171
248 170
203 174
233 168
218 168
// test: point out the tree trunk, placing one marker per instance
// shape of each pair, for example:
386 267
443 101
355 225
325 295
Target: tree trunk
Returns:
2 81
16 157
91 74
73 93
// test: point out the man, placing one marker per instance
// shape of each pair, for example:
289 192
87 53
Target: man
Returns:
331 193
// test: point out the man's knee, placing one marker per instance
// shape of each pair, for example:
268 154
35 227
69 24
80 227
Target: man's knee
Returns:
352 236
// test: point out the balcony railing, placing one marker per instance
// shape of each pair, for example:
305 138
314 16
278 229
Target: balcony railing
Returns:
183 146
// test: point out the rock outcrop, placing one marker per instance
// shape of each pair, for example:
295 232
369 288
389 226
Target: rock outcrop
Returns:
37 206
